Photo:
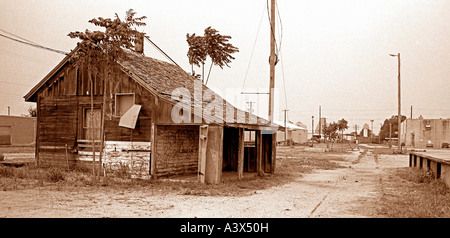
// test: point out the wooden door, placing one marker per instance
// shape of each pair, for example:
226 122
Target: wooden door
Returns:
92 124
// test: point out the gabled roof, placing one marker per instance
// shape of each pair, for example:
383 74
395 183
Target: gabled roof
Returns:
162 78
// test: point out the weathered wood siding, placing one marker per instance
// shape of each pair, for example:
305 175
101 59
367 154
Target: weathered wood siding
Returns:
56 128
60 107
176 149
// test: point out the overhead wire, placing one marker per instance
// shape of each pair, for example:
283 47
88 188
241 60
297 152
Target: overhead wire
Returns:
7 32
281 54
34 45
253 49
31 59
16 83
161 51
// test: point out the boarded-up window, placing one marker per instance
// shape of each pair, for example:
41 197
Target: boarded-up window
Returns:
123 103
5 135
92 124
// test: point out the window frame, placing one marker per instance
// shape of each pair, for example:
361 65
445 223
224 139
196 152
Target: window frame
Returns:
116 104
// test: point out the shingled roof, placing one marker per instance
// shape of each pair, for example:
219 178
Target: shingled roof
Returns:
163 78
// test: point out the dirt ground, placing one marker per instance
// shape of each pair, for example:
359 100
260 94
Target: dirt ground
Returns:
347 192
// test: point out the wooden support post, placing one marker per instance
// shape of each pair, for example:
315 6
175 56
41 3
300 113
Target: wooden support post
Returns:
274 152
38 119
214 155
202 146
410 159
259 153
153 151
240 171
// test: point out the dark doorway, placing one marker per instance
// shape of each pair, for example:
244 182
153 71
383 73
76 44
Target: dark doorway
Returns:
230 148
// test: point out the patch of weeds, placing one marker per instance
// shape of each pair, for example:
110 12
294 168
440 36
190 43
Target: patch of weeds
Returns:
413 193
6 171
55 174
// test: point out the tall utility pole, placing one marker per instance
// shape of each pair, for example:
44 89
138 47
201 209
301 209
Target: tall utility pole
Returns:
320 122
272 60
399 119
390 134
371 133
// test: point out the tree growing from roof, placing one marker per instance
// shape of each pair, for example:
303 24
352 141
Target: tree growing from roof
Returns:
100 51
211 44
99 47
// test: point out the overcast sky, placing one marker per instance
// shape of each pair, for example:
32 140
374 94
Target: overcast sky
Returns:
334 54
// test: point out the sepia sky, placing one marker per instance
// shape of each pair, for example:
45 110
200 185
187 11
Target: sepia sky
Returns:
334 54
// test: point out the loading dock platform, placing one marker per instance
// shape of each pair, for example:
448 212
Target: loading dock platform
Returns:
436 161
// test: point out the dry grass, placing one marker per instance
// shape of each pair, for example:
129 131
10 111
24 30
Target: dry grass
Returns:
291 163
413 193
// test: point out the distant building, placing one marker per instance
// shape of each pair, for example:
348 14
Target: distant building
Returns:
15 130
423 133
296 133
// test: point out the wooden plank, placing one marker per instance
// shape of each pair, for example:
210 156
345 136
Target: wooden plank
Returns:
88 141
214 155
240 171
153 155
203 143
274 152
259 153
38 119
88 153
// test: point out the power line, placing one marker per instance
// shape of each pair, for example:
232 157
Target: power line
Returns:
18 36
31 59
254 44
162 52
35 45
281 25
16 83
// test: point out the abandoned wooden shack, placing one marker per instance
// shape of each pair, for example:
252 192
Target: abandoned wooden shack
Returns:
70 131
